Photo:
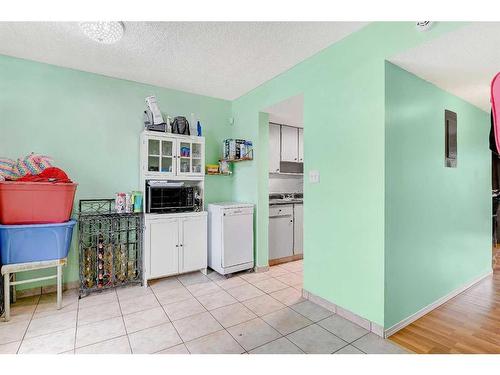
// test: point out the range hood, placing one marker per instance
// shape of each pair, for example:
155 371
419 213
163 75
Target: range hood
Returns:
291 167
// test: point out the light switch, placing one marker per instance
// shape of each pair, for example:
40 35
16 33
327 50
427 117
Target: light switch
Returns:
314 177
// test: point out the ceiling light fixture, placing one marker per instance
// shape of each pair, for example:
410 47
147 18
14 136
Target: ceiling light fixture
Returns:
423 25
103 32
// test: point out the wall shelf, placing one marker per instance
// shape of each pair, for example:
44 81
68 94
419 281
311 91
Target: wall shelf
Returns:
236 160
219 174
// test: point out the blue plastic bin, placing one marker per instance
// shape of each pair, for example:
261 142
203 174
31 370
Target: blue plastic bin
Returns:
34 243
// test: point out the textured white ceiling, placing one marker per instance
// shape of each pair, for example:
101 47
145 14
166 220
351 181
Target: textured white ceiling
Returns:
220 59
462 62
288 112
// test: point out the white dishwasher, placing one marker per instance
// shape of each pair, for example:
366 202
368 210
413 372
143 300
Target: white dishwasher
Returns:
230 237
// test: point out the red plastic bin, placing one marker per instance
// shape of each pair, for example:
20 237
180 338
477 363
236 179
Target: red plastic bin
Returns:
35 202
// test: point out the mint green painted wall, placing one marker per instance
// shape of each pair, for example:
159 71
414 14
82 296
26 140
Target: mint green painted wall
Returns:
344 114
90 124
438 220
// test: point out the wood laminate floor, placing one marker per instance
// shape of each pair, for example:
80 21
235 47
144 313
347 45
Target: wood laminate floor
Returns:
468 323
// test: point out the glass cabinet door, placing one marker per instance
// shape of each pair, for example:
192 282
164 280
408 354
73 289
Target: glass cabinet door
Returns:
160 156
153 155
184 158
191 158
167 156
197 158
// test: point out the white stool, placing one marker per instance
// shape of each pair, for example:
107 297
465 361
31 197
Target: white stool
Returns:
9 269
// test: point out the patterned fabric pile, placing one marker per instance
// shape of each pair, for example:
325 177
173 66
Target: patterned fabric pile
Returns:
32 164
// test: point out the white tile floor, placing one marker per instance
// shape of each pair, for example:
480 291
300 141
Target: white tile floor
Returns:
193 313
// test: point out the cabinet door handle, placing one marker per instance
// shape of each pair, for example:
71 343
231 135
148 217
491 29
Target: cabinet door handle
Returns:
182 245
176 245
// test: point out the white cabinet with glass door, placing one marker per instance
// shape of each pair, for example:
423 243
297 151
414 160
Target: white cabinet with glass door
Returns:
172 155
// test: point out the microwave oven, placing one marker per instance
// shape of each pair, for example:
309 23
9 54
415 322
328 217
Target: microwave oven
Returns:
167 197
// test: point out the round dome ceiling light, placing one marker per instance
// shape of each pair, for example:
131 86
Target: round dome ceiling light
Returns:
103 32
423 25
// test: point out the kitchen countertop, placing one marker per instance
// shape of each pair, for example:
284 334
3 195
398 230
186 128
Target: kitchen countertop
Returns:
275 202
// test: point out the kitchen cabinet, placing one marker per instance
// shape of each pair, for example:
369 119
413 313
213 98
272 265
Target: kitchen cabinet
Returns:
280 231
289 144
164 247
301 145
274 148
175 243
193 246
298 229
166 155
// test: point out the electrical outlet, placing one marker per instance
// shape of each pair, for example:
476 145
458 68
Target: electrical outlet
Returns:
314 177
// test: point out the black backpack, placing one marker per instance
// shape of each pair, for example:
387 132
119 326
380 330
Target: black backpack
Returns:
180 125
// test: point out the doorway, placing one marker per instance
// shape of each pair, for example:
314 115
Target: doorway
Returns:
286 186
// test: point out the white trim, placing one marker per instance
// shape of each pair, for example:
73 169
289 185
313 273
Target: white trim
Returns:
403 323
258 269
346 314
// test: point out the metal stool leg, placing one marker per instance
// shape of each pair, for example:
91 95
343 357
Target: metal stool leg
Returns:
6 293
14 291
59 287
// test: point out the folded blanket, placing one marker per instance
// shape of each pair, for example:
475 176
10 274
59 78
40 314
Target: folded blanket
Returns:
31 164
51 174
7 169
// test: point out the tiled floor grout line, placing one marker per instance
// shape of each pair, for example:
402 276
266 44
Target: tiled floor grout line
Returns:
279 338
352 343
76 328
29 323
123 320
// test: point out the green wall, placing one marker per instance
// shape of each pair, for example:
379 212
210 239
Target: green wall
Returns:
90 125
344 121
437 219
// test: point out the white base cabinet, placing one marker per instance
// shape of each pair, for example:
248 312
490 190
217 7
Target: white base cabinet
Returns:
175 244
298 229
280 231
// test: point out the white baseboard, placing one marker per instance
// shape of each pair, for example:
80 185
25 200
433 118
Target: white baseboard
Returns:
46 289
346 314
261 269
403 323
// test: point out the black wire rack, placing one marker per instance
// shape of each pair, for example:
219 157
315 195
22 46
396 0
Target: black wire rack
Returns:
110 246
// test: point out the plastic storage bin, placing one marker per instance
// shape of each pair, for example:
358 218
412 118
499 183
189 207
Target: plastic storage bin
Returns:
35 202
33 243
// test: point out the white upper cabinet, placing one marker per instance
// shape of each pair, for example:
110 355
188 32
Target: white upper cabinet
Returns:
170 155
301 145
289 144
274 148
